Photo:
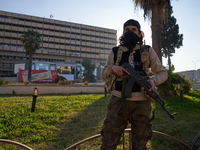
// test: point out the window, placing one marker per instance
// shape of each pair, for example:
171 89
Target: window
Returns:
41 66
1 16
52 67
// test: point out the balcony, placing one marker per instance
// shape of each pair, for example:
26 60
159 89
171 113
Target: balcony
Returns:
78 48
7 41
14 28
62 34
44 51
57 34
57 46
1 26
1 40
51 33
45 38
27 23
62 28
13 41
20 49
13 48
46 26
33 24
82 55
7 34
51 39
92 56
57 28
62 47
92 50
1 48
83 49
8 20
14 35
46 32
7 27
51 27
87 55
39 25
62 40
21 29
87 49
73 36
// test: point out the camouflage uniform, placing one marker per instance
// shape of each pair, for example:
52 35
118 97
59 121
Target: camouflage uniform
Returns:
138 107
117 120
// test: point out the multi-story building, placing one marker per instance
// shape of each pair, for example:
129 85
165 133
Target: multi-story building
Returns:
64 44
191 74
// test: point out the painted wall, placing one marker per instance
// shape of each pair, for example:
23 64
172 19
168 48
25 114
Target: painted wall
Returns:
50 89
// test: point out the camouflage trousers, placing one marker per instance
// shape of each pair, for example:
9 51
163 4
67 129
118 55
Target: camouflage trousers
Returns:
137 113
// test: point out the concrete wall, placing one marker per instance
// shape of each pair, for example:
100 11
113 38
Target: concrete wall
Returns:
10 79
50 89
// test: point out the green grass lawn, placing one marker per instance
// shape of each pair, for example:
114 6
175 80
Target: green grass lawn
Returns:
59 121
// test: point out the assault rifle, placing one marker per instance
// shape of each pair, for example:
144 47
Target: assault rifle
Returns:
136 77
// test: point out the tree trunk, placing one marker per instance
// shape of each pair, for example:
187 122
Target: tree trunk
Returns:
169 61
156 31
30 66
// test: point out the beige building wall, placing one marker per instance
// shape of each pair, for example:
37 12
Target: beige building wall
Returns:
62 41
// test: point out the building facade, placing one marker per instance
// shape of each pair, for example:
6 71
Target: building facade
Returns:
64 43
192 75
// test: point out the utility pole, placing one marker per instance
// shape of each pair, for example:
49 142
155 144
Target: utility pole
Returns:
195 69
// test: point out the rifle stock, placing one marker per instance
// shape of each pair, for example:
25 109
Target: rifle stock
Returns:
136 77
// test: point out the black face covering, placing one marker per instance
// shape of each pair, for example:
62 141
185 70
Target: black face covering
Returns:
130 39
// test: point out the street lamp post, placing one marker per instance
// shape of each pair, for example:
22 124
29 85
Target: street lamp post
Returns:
35 95
195 68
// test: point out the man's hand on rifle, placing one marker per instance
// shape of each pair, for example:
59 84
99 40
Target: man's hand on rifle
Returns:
151 81
118 70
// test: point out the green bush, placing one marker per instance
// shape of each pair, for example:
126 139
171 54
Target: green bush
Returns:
65 82
60 78
62 81
4 82
186 86
172 84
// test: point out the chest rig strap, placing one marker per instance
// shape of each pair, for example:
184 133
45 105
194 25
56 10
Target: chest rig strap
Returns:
145 58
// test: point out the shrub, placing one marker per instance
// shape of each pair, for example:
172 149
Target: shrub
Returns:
60 78
26 83
86 83
171 85
65 82
62 81
4 82
186 85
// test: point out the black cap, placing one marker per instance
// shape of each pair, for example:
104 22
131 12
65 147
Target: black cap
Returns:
132 22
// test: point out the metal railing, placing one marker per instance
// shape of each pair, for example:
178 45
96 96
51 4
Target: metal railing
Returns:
123 141
129 145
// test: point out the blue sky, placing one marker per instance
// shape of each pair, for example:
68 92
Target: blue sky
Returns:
113 13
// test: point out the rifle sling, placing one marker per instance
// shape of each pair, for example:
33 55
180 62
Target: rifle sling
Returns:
123 98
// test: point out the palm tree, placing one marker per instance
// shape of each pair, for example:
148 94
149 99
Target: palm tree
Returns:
156 11
31 41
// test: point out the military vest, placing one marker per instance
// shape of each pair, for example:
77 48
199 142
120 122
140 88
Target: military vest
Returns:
144 60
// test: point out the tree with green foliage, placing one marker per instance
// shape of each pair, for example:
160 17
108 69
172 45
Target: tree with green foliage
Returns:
31 41
156 11
89 70
170 38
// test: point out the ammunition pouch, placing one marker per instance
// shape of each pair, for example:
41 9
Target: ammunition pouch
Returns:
110 84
